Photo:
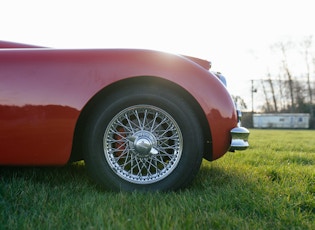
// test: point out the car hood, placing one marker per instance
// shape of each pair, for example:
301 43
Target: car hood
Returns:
11 45
203 63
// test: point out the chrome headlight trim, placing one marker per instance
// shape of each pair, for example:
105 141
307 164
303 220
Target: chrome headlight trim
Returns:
221 78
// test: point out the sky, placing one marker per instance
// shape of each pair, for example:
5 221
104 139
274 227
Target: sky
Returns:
235 36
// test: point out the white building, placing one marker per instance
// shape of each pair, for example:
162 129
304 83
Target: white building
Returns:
282 120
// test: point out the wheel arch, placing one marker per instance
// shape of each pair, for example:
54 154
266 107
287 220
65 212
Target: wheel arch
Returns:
78 142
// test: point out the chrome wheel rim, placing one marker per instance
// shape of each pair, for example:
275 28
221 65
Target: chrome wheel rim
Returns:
143 144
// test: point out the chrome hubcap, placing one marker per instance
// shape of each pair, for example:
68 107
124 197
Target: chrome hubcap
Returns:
144 143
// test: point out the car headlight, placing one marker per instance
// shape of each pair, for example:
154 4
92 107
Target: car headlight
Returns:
221 77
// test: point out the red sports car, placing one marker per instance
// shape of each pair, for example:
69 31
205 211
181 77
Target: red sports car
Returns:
140 119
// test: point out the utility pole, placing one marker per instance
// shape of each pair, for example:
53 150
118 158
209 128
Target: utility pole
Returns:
253 90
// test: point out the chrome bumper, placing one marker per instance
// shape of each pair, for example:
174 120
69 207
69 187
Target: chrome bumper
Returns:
239 139
239 136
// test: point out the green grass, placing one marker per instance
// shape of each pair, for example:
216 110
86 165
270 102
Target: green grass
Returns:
269 186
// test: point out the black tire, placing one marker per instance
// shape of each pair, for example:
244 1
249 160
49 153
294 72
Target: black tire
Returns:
143 138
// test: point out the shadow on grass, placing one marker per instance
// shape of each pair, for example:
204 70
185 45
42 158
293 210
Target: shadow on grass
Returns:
207 178
50 175
75 177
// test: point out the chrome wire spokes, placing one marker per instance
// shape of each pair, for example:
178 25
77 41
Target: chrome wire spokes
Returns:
143 144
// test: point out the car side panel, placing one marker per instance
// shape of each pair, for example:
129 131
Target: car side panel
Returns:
36 134
42 92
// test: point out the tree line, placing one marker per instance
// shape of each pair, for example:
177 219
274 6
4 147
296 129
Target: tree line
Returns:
290 91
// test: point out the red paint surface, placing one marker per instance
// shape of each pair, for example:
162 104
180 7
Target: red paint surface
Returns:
42 92
36 134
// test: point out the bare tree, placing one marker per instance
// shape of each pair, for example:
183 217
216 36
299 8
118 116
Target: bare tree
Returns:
290 90
268 107
306 45
274 99
288 73
239 102
281 92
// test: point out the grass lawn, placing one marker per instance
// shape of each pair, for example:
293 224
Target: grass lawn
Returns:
269 186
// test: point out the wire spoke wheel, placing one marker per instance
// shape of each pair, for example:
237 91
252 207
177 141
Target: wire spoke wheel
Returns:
143 144
143 137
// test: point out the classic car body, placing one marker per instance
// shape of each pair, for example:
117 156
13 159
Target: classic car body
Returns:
49 98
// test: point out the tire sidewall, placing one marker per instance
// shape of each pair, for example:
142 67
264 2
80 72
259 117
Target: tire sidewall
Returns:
166 100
